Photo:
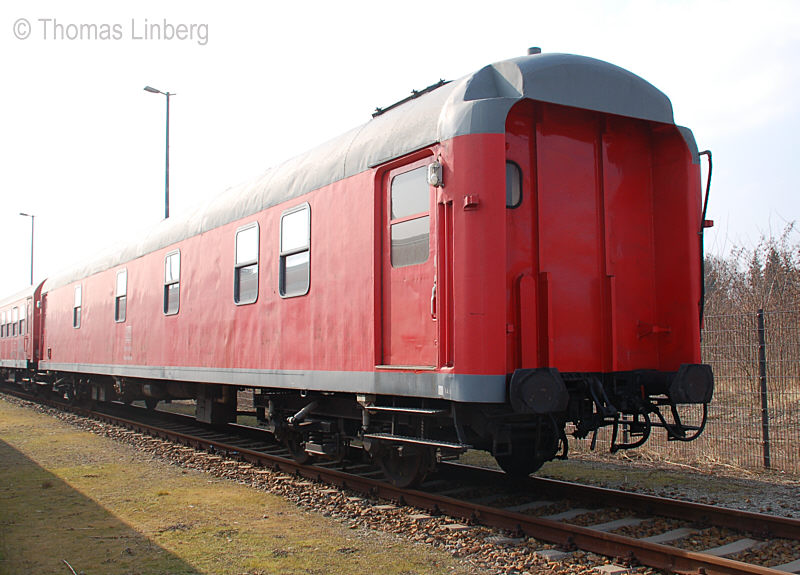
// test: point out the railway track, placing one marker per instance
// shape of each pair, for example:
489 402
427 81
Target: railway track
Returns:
667 534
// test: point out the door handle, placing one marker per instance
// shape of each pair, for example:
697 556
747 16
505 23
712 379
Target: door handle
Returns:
433 300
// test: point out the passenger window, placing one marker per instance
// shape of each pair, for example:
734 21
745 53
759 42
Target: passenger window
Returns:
295 251
172 283
121 296
76 308
245 274
22 320
14 320
410 221
3 324
513 185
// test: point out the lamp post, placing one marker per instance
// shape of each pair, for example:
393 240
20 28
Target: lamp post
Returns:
166 174
32 217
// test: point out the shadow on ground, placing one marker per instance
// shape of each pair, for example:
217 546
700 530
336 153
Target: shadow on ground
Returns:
45 522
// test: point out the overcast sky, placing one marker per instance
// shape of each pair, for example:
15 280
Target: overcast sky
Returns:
82 144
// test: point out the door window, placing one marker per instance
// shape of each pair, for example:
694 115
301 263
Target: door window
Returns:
410 220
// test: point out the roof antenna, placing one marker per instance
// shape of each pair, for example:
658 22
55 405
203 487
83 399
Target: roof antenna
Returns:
534 50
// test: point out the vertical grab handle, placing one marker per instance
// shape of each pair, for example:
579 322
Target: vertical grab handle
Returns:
703 226
433 299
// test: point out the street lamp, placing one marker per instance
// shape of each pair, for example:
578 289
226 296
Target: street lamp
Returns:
166 175
32 217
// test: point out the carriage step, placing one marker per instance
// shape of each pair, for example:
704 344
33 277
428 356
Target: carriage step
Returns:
416 440
321 448
410 410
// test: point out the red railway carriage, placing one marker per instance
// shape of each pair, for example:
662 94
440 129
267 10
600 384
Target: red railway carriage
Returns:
479 265
19 338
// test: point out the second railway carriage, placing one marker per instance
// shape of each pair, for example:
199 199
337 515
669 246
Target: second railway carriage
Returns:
479 265
19 334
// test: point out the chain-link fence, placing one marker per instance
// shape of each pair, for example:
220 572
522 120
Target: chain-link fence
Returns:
756 408
754 418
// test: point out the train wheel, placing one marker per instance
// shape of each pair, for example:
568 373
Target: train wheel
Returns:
71 394
530 451
405 465
150 403
296 444
519 465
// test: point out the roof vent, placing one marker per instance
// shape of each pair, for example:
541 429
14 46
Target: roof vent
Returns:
534 50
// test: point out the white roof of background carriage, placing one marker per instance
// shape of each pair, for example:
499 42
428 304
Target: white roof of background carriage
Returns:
20 295
475 104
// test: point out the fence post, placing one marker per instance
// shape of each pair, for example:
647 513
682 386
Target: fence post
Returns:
762 370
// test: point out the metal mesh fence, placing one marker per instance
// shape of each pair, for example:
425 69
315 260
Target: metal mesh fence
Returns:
754 418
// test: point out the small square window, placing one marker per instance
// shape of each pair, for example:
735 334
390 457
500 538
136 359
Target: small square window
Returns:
295 274
171 298
410 195
410 242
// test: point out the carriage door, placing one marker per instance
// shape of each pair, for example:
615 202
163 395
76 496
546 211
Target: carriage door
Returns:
27 312
40 354
409 268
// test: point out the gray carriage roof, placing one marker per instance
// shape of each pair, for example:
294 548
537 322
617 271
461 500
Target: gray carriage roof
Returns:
475 104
